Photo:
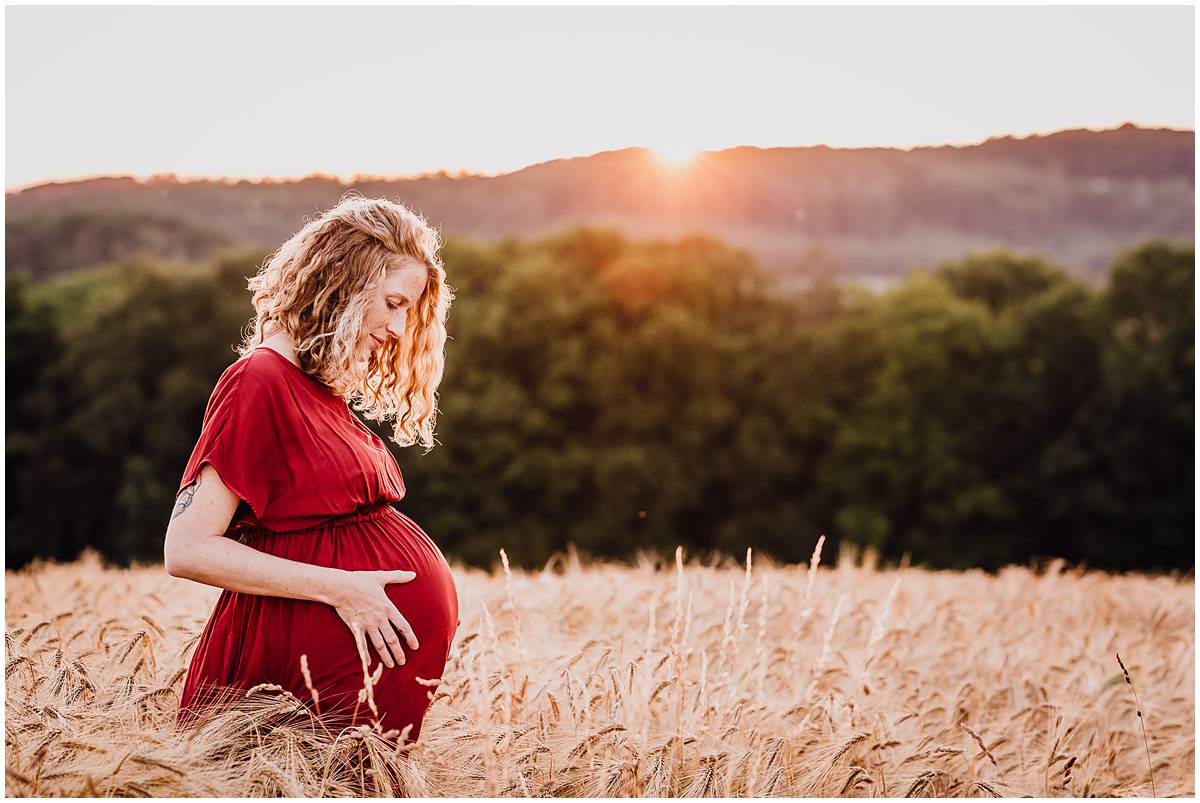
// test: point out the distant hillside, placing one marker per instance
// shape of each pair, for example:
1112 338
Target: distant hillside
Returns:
1077 196
52 243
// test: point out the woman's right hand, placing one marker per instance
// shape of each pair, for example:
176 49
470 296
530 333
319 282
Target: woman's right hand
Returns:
360 600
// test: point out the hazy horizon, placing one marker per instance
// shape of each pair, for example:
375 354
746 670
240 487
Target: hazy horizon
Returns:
118 91
467 173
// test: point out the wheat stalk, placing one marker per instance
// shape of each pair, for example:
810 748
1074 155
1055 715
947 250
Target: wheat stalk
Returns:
1141 721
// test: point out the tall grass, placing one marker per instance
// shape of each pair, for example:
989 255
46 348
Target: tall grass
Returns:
693 679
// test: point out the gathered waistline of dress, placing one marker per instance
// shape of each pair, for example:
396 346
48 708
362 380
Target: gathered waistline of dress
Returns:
367 513
361 514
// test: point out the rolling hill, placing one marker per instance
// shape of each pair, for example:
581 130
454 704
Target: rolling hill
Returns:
1077 196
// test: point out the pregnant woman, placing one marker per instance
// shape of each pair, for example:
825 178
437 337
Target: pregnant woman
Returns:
286 500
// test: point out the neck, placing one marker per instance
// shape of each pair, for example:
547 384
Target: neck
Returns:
283 344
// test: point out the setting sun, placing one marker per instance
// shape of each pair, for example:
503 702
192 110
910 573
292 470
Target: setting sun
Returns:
675 155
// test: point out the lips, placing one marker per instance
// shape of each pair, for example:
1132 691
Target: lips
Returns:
378 342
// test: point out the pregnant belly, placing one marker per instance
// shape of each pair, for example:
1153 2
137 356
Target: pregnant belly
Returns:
383 539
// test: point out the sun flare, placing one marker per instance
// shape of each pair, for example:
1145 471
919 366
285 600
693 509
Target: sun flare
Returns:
675 155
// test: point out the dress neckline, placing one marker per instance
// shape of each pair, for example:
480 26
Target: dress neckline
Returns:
350 413
268 348
297 367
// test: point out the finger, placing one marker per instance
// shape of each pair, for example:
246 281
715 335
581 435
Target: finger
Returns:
381 647
399 576
401 624
393 642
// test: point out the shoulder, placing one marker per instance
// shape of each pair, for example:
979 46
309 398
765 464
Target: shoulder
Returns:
255 376
260 364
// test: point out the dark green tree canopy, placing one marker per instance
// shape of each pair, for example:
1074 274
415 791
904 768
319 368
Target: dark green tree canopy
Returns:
621 394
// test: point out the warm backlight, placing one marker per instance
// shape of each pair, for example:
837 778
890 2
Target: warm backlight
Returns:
675 155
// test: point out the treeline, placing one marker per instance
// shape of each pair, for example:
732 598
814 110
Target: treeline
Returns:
1078 196
46 245
622 395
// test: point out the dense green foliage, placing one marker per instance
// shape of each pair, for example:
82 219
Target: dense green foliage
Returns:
623 395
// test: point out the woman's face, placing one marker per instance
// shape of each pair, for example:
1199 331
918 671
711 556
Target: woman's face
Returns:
390 301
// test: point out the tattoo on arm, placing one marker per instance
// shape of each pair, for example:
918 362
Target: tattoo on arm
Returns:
185 498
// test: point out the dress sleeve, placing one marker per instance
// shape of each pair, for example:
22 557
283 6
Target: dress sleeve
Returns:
239 436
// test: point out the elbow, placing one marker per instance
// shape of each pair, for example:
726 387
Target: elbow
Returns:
175 560
172 566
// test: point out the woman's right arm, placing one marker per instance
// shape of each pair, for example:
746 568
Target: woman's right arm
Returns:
195 548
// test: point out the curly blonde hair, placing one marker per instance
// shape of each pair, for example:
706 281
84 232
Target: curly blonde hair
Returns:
316 288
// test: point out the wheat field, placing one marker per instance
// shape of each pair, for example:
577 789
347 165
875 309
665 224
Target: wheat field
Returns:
703 679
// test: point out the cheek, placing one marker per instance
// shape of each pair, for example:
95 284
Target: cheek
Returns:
376 317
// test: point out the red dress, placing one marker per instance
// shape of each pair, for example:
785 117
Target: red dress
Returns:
317 487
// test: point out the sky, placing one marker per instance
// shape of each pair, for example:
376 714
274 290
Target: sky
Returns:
287 91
